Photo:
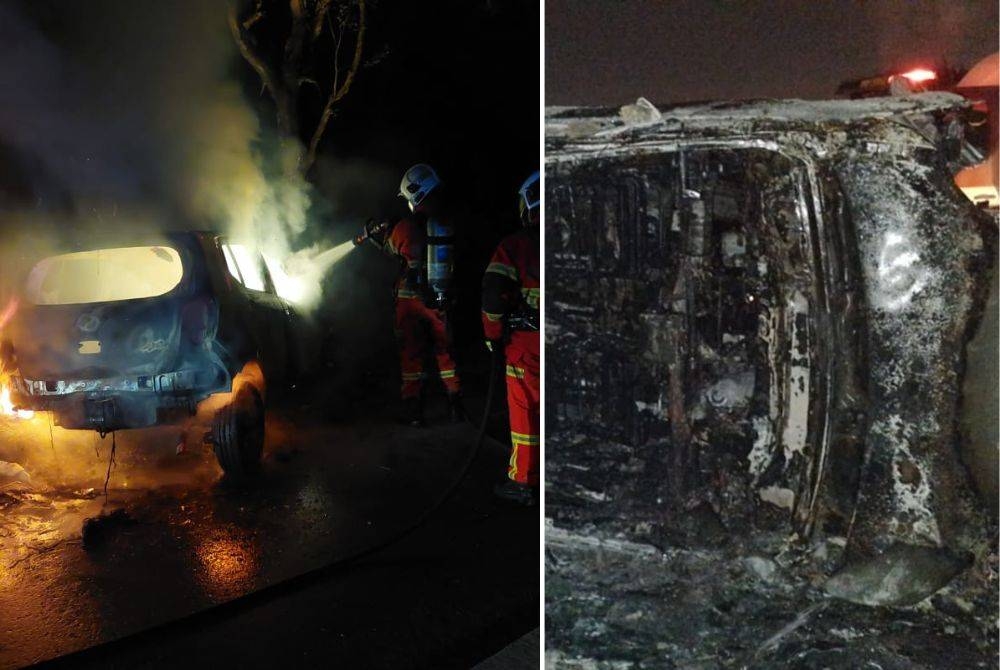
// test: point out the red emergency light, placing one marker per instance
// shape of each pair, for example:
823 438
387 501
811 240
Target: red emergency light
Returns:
920 75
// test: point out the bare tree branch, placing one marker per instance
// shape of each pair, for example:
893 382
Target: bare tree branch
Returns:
257 15
322 7
295 45
337 93
358 49
284 100
282 76
338 39
267 77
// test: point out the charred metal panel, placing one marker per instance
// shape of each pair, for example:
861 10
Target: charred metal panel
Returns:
925 255
681 305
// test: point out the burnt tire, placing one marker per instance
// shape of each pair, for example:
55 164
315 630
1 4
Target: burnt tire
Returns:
238 434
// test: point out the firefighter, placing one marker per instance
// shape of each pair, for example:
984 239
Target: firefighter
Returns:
511 288
423 243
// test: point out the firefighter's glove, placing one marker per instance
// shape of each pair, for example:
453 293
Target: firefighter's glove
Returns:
366 231
373 231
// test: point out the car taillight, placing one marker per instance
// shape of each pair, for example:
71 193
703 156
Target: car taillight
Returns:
920 75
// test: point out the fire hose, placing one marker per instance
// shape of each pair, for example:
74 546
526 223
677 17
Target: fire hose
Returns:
496 363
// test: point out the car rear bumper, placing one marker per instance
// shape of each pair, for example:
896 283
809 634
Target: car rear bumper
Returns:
117 403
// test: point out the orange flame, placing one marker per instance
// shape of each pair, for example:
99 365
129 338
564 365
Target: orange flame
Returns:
7 406
8 312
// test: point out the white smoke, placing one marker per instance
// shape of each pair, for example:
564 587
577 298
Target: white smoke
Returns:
227 181
130 106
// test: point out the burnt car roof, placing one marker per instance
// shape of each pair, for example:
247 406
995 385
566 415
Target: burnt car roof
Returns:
893 118
132 238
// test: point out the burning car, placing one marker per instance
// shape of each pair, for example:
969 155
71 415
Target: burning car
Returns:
764 309
128 337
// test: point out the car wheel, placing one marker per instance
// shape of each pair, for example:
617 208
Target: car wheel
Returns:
238 433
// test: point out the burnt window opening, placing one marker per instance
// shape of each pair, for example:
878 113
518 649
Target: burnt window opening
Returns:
680 290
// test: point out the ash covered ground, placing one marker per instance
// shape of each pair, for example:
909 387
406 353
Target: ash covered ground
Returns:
632 584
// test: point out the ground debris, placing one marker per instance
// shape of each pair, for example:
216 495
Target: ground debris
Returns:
97 529
901 576
9 499
12 475
614 602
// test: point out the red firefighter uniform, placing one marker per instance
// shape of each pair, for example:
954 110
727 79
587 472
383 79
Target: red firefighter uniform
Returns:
511 284
414 319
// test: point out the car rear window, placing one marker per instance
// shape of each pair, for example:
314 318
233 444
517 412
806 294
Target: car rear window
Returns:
104 275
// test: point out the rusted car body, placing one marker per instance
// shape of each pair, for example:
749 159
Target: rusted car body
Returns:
129 337
764 308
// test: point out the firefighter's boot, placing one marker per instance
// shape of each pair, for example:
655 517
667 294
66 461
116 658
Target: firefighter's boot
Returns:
412 413
456 410
515 492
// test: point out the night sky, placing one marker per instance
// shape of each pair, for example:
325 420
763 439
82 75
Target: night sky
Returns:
610 52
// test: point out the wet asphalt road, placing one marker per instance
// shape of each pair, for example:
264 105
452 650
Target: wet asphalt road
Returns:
456 590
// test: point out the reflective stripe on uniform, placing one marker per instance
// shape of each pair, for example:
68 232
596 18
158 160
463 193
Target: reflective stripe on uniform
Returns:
492 317
503 269
512 464
446 374
412 376
523 438
406 293
516 372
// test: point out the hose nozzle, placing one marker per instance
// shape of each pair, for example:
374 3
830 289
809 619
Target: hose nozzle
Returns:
371 227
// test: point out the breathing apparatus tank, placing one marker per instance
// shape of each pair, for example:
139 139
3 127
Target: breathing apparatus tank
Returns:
440 263
418 182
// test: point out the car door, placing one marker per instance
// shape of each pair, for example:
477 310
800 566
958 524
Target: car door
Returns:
681 311
266 314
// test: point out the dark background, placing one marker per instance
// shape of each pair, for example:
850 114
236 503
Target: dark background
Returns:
613 51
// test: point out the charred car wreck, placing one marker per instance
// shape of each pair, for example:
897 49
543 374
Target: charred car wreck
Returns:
762 310
130 337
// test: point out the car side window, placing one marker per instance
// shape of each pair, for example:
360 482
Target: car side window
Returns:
247 267
234 271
